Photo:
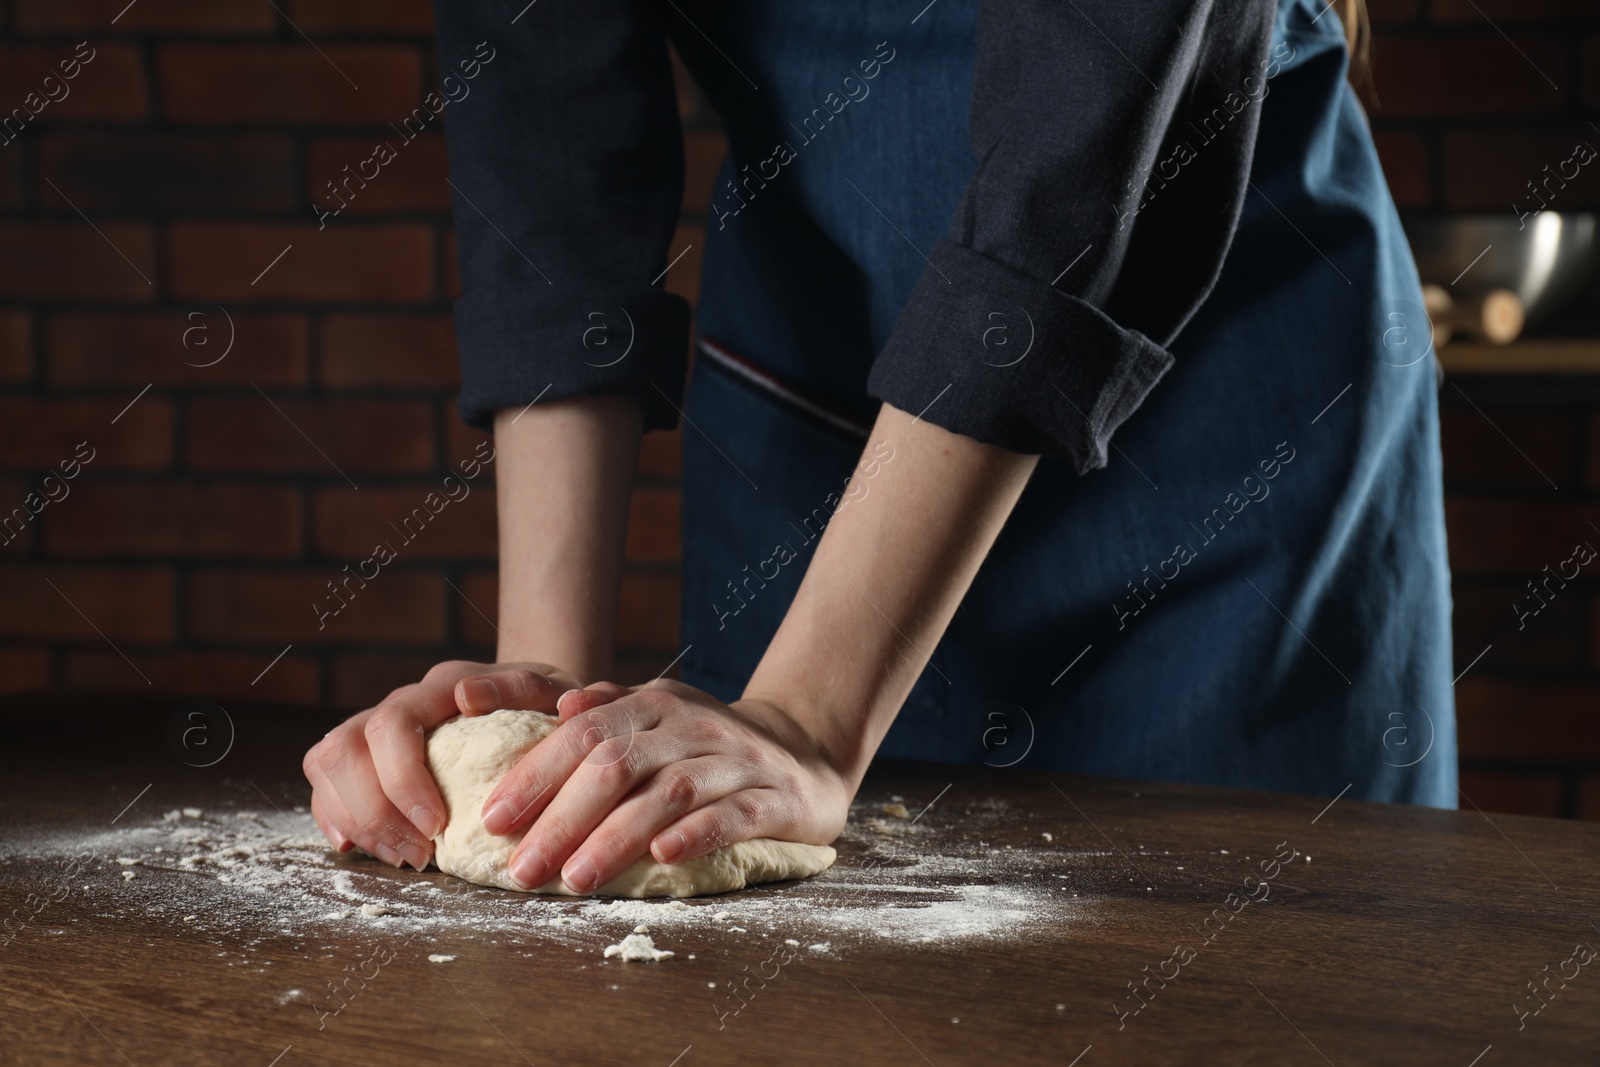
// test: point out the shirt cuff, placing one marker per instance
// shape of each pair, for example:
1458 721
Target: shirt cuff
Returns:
1022 365
599 343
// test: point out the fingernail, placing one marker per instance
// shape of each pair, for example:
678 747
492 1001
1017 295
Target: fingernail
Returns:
426 820
560 699
580 875
670 846
481 693
388 855
528 869
415 854
500 817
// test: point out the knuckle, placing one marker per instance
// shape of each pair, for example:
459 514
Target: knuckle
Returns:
446 669
385 722
681 789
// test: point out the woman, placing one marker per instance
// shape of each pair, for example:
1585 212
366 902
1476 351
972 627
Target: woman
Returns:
1153 489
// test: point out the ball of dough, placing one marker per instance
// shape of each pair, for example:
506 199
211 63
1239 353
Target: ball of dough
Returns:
469 755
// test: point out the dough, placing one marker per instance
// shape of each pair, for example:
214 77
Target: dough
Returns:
469 755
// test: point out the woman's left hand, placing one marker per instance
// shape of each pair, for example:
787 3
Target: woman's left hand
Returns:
665 769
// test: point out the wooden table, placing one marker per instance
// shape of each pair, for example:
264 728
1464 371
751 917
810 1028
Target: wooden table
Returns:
1396 935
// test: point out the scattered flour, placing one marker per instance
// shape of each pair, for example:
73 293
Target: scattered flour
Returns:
637 947
249 875
436 957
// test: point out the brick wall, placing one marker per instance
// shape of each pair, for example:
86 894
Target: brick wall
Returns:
1473 100
171 191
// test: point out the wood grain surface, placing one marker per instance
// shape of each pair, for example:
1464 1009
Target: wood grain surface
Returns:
1386 935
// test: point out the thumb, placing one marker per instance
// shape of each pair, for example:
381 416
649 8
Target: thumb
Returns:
534 687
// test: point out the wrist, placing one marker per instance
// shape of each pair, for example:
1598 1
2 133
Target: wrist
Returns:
839 742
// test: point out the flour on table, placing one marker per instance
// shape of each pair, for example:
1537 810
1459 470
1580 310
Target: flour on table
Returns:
252 877
638 948
439 957
469 755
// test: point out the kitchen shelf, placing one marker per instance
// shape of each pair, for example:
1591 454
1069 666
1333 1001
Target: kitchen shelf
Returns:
1555 356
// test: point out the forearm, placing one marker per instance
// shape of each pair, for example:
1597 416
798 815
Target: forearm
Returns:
562 489
886 579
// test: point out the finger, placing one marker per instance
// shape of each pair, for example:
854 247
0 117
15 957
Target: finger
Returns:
737 817
675 792
533 688
596 787
335 814
375 824
531 785
575 702
396 736
335 836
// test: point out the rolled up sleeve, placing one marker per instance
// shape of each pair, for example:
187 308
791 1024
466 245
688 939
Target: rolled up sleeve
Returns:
1114 144
566 165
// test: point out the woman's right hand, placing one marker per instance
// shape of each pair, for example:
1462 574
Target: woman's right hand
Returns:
370 785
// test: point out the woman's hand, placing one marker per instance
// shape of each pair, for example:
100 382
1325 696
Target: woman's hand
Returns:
369 777
665 769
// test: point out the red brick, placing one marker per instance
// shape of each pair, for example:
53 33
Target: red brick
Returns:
377 16
349 524
36 432
702 158
1593 462
1405 166
477 608
1393 12
1488 615
25 668
356 436
684 277
661 454
452 266
393 351
1590 64
156 172
168 16
362 679
109 86
1516 537
17 522
90 348
1594 633
289 83
16 346
131 604
647 616
385 264
1504 719
10 179
70 261
1589 799
1499 11
1476 452
460 440
413 179
1469 76
175 519
405 608
1515 794
1491 170
654 534
213 675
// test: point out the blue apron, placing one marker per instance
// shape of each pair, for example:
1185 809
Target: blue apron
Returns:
1253 593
